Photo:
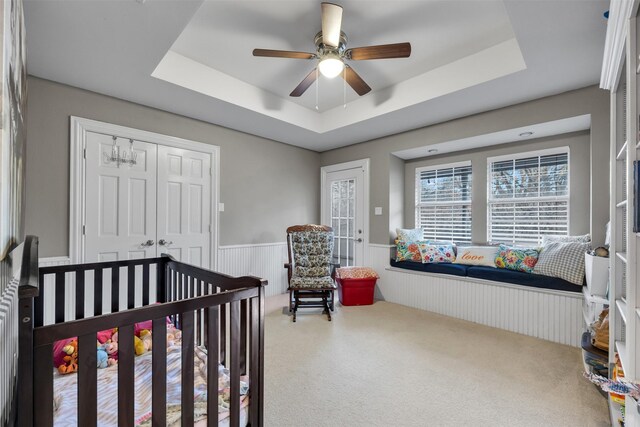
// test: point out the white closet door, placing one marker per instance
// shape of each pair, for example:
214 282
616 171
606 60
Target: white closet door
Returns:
120 217
184 205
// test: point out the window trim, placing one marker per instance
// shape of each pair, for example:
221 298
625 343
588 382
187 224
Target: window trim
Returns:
523 155
416 197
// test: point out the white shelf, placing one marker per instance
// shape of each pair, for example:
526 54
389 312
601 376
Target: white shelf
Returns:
622 204
616 412
594 298
622 256
621 348
622 154
622 308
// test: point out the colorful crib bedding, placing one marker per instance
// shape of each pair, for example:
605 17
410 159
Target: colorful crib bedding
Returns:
66 398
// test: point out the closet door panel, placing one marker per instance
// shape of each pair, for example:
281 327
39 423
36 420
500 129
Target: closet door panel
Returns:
184 205
120 217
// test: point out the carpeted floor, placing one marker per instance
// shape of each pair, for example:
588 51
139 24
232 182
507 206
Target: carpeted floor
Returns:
390 365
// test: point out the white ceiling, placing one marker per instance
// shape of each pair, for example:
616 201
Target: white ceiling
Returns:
468 56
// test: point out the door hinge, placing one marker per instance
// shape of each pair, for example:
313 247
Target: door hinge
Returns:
209 228
84 153
84 229
210 171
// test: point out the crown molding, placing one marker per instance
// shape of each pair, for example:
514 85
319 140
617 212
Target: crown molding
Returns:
619 14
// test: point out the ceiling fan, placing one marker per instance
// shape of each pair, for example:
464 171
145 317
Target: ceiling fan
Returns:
332 52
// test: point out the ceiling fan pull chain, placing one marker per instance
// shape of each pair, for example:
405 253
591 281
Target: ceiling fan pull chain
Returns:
317 87
344 87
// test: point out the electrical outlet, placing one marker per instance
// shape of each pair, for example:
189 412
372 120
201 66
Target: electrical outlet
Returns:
378 211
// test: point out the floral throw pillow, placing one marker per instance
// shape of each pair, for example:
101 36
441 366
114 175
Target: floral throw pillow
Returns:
408 251
436 253
518 259
409 234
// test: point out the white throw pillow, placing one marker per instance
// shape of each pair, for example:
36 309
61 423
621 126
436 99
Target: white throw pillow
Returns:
564 260
477 255
565 239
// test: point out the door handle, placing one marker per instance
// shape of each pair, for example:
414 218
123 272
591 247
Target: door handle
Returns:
163 242
359 240
148 243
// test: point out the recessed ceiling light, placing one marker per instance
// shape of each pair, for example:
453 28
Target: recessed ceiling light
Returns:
526 134
432 150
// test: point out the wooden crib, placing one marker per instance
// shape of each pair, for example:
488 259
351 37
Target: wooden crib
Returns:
222 313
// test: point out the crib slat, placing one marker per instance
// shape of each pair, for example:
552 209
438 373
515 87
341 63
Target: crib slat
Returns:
161 287
60 297
187 368
43 393
234 390
159 373
115 290
87 381
97 293
131 286
212 325
126 395
223 334
145 284
254 364
243 336
79 294
197 293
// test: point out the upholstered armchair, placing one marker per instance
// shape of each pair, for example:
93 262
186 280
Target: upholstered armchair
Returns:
310 270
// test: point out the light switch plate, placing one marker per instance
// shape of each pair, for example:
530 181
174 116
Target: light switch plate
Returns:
221 207
378 211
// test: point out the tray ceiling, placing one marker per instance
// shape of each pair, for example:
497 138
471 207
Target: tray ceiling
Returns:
194 58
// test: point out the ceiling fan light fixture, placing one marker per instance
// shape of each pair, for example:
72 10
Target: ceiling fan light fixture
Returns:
331 66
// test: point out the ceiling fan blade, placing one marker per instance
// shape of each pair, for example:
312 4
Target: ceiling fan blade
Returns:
283 54
355 81
304 84
331 23
384 51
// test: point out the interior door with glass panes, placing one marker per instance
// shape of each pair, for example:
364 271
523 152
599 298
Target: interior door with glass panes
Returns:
344 212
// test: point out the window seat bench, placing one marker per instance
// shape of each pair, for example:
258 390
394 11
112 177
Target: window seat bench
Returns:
490 273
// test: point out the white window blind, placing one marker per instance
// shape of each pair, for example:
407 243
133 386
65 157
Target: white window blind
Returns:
443 202
528 196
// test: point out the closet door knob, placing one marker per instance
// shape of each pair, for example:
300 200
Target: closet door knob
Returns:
163 242
148 243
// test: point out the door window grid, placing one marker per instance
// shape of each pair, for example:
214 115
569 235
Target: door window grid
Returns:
528 197
343 196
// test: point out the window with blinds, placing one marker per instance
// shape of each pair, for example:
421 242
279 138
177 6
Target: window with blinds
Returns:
528 196
443 202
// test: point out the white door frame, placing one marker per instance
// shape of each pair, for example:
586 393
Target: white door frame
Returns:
78 138
364 164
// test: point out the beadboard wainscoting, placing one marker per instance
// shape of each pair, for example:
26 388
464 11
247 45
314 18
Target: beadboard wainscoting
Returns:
261 260
551 315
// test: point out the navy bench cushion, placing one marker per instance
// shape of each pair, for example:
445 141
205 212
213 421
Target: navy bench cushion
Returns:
442 268
490 273
520 278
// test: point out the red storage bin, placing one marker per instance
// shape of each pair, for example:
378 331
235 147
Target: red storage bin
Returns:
356 285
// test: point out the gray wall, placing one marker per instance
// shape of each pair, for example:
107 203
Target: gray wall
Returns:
590 100
579 161
265 185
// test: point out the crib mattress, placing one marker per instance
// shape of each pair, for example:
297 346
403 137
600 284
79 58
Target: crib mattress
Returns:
66 396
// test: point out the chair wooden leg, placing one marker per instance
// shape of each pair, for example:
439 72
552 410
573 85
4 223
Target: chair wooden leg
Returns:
295 305
290 301
333 300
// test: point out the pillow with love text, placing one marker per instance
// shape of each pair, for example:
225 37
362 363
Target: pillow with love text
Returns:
477 255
